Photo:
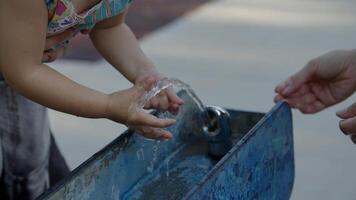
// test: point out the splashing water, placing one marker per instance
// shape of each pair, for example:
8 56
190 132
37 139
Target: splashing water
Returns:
140 154
159 86
154 159
167 167
163 84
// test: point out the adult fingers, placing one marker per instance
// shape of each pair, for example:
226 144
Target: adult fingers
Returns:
295 81
278 97
301 92
353 138
143 118
347 112
312 108
348 126
307 104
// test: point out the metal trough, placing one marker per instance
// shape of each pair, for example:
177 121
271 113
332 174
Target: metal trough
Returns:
259 164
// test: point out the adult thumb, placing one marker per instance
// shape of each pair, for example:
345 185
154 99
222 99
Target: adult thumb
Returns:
347 112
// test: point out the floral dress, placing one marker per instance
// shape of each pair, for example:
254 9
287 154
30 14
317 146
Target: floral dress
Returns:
62 16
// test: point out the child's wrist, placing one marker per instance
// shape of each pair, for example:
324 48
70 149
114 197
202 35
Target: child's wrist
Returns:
148 72
106 108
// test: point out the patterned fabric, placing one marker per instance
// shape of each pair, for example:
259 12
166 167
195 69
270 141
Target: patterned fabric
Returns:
62 15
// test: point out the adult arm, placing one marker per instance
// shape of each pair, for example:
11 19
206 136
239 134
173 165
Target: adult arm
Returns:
323 82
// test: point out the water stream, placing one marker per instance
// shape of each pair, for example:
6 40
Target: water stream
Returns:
159 86
165 83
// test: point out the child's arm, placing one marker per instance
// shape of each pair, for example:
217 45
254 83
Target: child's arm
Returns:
116 42
22 42
118 45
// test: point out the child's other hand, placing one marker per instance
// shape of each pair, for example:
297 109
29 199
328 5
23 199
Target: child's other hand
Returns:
167 100
123 107
50 56
323 82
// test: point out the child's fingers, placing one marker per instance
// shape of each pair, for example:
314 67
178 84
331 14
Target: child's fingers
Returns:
153 133
53 40
160 102
174 109
172 97
163 102
53 55
142 118
154 103
163 134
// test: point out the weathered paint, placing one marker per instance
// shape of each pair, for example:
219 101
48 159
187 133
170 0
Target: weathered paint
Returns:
260 166
260 163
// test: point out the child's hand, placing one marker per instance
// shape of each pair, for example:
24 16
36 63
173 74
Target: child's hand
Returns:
323 82
123 107
50 56
166 100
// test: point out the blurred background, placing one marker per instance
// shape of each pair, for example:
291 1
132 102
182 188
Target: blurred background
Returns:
232 53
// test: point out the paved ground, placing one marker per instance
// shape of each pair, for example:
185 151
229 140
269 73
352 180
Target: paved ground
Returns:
233 53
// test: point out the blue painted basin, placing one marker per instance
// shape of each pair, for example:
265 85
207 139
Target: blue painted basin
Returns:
259 165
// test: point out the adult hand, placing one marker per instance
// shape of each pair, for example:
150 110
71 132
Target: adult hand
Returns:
123 107
323 82
348 124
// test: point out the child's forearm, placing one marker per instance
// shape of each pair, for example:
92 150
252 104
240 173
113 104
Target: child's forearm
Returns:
50 88
120 48
22 44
